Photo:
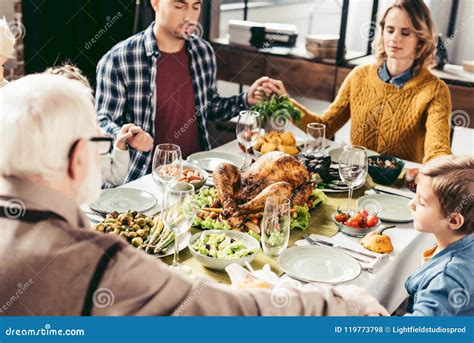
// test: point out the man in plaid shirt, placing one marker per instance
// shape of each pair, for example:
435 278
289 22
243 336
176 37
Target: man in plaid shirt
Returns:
164 80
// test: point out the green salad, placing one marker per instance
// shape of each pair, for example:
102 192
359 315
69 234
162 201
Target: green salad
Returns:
219 245
206 198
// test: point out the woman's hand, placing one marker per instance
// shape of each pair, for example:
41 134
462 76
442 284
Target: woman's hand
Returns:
275 87
268 88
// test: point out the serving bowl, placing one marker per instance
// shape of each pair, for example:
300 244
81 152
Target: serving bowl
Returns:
222 263
384 175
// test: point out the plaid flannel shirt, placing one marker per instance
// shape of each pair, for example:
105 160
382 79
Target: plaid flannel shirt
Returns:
126 91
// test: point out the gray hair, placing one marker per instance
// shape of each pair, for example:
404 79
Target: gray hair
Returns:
41 116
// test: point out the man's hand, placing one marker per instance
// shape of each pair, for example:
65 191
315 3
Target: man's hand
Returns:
253 97
139 139
360 302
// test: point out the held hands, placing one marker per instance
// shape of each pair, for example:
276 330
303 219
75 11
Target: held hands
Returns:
268 87
135 137
252 95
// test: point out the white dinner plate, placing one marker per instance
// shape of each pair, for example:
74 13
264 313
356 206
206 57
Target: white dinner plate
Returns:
209 160
123 199
390 208
318 264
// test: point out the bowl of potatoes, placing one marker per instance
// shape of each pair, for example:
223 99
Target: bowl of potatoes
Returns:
276 141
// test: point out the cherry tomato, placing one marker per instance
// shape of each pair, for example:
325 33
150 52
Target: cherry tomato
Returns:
372 221
341 217
364 213
358 218
352 222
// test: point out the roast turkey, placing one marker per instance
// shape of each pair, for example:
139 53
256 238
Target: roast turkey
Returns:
275 173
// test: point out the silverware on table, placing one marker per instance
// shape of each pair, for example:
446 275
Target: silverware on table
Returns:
94 217
313 241
392 191
93 213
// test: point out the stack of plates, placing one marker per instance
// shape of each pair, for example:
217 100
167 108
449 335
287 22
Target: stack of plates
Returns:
322 46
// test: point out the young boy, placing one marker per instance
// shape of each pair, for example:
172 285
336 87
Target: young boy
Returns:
114 165
443 206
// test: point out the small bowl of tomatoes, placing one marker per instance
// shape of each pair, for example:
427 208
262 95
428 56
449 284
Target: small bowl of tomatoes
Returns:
356 224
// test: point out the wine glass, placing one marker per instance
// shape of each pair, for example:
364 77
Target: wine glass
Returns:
179 211
167 164
316 138
275 225
247 130
353 165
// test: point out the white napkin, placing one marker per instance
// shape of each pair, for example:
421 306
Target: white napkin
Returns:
345 241
239 275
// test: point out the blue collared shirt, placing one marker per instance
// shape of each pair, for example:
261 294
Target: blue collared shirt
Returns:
126 79
399 80
444 286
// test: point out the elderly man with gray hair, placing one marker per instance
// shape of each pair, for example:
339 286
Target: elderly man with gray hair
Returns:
49 165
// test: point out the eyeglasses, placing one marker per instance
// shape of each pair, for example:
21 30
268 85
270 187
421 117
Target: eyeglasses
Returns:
104 145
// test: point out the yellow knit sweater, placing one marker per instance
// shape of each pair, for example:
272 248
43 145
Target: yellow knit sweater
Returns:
412 123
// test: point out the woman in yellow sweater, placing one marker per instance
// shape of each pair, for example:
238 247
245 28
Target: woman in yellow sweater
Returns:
397 106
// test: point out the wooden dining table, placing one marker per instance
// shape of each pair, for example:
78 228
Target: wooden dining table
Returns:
386 283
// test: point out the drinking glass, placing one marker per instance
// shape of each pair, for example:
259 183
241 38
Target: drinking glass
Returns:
316 139
178 214
247 130
353 167
167 164
275 225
